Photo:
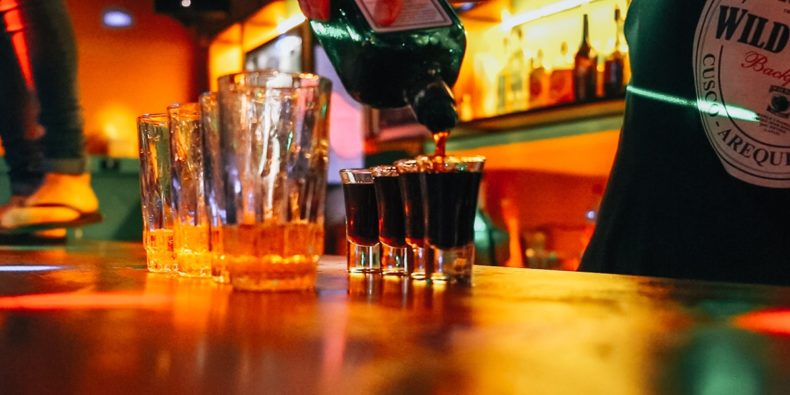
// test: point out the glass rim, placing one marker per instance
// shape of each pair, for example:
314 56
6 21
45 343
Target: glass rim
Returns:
242 79
185 106
407 166
349 176
384 171
154 117
450 164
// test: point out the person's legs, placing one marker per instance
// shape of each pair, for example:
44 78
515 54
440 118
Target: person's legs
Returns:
53 59
19 129
65 193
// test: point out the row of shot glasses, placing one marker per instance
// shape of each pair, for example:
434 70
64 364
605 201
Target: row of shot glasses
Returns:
413 218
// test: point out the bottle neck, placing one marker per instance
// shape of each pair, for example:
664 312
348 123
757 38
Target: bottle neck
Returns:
433 105
539 60
586 31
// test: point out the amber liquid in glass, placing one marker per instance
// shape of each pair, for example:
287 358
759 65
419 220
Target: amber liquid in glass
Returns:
159 252
272 257
219 270
192 250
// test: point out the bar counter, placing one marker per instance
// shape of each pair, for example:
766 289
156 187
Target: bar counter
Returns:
88 318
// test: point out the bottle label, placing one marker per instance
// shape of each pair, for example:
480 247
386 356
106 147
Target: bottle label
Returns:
409 15
742 77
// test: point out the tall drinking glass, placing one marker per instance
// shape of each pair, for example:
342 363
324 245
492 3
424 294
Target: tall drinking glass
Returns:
392 227
191 227
362 231
450 190
155 192
273 160
213 183
411 195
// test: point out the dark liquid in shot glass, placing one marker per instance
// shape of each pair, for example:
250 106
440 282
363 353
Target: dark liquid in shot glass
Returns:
452 203
411 193
361 215
392 230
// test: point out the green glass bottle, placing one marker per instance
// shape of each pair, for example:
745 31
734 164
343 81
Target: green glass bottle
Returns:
411 56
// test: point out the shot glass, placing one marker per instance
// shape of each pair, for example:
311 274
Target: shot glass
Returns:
450 190
392 227
362 231
155 192
191 227
213 183
273 139
414 218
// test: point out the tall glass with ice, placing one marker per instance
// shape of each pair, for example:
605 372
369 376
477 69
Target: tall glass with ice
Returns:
155 192
273 142
191 224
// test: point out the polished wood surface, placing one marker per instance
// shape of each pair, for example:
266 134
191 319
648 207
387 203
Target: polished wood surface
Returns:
95 321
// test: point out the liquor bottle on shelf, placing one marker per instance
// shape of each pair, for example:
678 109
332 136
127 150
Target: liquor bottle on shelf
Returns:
561 79
614 75
503 93
389 56
585 67
517 70
538 82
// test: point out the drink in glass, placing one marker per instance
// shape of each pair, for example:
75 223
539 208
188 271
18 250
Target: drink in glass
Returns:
273 139
414 218
451 186
213 183
155 192
362 230
391 218
191 227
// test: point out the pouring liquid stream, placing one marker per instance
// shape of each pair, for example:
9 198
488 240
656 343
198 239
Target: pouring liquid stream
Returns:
440 139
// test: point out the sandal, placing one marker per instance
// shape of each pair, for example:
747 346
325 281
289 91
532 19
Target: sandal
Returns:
42 216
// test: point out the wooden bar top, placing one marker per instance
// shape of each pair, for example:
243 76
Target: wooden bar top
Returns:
88 318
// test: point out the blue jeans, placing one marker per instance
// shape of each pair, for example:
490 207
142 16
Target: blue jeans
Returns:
38 89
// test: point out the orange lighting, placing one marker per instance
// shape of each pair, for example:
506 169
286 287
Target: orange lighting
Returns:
15 24
85 301
775 321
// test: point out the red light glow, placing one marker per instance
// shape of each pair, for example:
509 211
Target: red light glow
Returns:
774 321
15 24
85 301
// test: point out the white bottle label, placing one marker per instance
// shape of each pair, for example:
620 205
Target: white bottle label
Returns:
742 78
414 14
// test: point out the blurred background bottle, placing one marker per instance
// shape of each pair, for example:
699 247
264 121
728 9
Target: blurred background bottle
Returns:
503 93
517 69
538 82
614 75
561 78
585 70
